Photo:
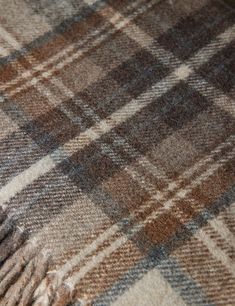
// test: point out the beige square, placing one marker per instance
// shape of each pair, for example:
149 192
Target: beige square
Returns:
174 154
80 74
7 126
15 13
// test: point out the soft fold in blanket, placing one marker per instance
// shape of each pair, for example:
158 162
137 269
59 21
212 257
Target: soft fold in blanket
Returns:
117 153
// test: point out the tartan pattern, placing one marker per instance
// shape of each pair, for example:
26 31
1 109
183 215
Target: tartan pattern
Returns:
117 147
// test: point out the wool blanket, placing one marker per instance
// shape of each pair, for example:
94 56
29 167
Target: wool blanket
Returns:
117 152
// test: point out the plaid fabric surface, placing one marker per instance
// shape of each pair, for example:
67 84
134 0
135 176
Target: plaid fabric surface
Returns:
117 152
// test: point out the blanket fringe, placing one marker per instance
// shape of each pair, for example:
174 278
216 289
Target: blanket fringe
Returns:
63 296
23 263
53 292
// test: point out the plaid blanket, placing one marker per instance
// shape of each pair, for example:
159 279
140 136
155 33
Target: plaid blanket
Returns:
117 152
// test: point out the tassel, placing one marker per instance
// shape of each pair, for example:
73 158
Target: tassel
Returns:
63 296
11 243
49 293
6 228
21 293
14 293
3 215
45 293
23 264
15 264
41 267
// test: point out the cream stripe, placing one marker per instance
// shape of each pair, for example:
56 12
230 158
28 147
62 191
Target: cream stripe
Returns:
120 116
209 50
152 289
223 231
118 140
9 38
4 51
219 254
69 265
213 94
221 228
97 259
52 98
90 2
144 40
135 33
181 194
55 100
40 67
174 185
25 178
208 159
220 99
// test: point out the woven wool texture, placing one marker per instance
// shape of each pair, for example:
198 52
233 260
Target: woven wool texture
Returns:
117 152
